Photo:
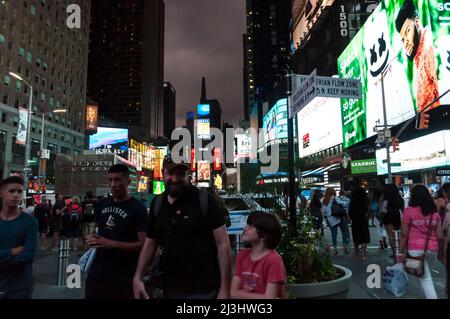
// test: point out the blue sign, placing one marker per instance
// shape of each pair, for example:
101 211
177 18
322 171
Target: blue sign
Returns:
203 110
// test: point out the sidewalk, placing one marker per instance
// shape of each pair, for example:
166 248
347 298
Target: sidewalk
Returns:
45 274
359 289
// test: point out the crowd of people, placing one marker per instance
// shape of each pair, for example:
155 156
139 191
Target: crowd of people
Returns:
180 248
423 224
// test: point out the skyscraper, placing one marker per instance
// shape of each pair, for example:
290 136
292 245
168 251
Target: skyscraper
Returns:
267 47
169 109
37 44
126 63
215 115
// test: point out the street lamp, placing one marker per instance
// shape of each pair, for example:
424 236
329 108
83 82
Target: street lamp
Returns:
42 138
26 168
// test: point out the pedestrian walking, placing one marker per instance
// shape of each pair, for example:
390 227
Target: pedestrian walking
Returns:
89 216
316 210
75 213
260 271
335 221
420 228
391 208
18 242
56 219
359 216
188 227
29 206
122 222
42 214
443 207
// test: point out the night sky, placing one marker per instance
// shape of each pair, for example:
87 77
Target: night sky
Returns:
204 38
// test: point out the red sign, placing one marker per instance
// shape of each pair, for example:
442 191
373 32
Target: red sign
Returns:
305 140
217 159
193 160
91 117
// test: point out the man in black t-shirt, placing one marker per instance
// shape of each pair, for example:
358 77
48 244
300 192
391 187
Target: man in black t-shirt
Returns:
56 219
121 223
194 249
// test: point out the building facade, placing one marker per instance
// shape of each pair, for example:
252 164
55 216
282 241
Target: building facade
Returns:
37 44
169 109
126 63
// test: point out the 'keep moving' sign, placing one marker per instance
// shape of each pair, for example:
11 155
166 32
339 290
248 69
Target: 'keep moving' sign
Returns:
323 86
238 221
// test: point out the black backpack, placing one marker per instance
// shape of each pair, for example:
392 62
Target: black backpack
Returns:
337 210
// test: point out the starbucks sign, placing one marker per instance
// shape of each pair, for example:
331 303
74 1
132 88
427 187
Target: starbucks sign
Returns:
364 166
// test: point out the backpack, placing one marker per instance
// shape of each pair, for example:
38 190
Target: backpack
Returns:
89 210
203 199
74 214
337 210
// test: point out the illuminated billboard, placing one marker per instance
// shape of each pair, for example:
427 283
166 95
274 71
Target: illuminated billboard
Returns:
244 146
160 153
203 131
203 110
109 140
203 170
91 117
319 126
217 164
275 123
415 73
158 187
142 184
141 155
425 152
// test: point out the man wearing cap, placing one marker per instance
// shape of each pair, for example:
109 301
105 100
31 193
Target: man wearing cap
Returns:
194 250
122 223
418 45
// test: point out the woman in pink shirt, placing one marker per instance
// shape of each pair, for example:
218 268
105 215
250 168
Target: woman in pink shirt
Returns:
414 232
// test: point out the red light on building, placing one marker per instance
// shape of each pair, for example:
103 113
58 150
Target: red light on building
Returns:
193 160
217 159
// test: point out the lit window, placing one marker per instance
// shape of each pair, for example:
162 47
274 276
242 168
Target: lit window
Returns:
33 10
29 57
7 81
21 52
2 39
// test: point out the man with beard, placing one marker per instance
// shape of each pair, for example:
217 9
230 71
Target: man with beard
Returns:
194 250
418 45
122 222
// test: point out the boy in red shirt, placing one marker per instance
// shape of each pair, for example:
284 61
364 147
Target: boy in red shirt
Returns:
260 272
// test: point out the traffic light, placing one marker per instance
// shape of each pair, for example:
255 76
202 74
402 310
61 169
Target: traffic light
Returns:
396 144
424 121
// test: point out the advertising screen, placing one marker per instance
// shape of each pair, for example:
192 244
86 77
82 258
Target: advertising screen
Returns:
203 110
143 184
91 117
275 122
204 173
428 151
141 155
412 54
319 126
110 141
158 187
160 153
203 129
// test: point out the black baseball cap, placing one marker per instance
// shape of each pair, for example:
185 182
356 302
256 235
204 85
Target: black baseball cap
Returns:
169 164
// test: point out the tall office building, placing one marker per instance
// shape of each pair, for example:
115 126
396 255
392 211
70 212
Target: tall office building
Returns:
267 47
169 109
37 44
126 63
215 115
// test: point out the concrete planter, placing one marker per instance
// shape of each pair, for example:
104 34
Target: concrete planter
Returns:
335 289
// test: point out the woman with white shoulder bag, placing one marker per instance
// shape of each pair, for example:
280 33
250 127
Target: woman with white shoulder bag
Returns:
420 233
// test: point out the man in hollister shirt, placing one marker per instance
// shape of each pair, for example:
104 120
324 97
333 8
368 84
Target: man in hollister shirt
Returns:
18 243
122 224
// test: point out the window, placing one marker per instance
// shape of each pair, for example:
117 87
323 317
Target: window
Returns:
19 69
29 57
33 10
43 97
21 52
45 66
25 3
38 62
65 150
44 82
19 86
51 101
2 39
7 81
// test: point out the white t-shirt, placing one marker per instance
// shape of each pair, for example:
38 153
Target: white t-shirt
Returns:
29 210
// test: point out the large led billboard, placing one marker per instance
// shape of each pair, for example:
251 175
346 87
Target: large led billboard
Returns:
203 110
141 155
275 123
319 126
203 129
109 140
425 152
412 54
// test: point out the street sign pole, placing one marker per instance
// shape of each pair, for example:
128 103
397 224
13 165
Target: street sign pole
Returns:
388 143
292 188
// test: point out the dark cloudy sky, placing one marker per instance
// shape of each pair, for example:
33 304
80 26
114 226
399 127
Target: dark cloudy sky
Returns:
204 38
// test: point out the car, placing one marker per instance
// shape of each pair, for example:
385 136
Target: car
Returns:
268 202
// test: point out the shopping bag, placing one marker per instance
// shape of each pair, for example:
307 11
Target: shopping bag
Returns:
395 281
86 260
